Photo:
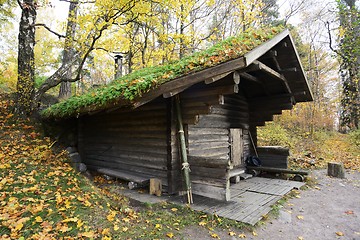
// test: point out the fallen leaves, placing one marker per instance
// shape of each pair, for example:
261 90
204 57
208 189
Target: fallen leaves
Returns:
349 212
340 234
300 217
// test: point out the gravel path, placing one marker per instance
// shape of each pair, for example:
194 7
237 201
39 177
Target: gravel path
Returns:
328 210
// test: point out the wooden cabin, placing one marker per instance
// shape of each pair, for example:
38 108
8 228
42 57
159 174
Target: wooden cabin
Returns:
221 107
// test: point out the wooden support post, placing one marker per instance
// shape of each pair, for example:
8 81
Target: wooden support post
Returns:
336 170
155 187
185 163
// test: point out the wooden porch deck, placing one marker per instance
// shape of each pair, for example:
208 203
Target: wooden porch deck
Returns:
250 199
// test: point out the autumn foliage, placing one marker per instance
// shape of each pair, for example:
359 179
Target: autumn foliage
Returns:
42 197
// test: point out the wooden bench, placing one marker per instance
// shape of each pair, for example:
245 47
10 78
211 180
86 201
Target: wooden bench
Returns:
124 175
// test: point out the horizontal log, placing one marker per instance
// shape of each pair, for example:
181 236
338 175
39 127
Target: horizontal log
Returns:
122 148
190 119
273 150
207 131
202 101
278 170
221 90
125 175
240 108
208 172
139 167
236 101
127 141
212 152
217 78
142 128
211 191
227 112
196 110
235 172
208 145
207 138
209 162
138 160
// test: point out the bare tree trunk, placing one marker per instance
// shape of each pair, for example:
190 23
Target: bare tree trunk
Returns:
25 87
65 87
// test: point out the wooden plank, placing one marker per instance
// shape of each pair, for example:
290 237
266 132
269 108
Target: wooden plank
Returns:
279 170
206 131
208 145
211 191
237 146
124 175
265 47
223 111
210 91
218 162
250 77
209 152
217 78
207 138
202 101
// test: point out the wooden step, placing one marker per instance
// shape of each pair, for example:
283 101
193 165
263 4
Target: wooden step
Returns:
236 171
245 176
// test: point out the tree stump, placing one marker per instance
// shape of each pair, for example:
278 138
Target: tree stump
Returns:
336 170
155 186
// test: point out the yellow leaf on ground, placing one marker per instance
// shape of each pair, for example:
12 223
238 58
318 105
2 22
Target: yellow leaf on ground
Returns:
116 227
38 219
106 231
79 223
126 220
242 235
300 217
254 233
157 226
111 216
214 235
340 233
202 223
124 229
300 238
18 226
89 234
170 235
74 219
232 233
174 209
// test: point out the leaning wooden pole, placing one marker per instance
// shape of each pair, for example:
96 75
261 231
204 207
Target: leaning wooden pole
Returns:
185 163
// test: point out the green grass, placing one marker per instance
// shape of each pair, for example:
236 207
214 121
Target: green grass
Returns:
134 85
42 196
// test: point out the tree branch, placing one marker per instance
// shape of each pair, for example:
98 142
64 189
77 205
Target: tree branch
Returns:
47 28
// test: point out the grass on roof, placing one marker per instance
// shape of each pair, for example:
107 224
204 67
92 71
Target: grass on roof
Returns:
134 85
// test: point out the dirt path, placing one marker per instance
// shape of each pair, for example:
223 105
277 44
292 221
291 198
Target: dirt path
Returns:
329 209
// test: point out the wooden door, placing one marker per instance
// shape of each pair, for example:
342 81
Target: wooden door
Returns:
237 147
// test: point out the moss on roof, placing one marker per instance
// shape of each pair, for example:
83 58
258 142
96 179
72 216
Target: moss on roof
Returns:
129 87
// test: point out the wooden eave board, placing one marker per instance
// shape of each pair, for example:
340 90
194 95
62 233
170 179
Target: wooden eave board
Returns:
297 80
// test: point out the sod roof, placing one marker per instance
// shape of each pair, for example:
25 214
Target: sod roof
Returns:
127 89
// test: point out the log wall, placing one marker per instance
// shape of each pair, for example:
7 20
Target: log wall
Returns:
209 119
135 141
